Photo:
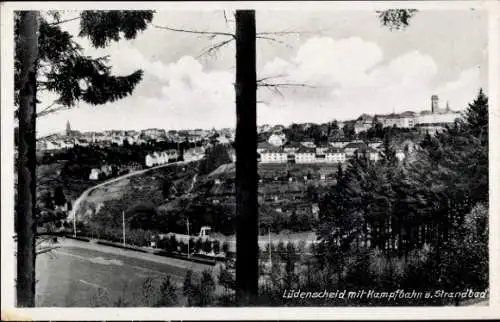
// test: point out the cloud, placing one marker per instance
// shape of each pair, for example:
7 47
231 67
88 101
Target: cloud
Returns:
461 91
350 76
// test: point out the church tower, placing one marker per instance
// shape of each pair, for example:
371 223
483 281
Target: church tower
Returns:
68 129
434 103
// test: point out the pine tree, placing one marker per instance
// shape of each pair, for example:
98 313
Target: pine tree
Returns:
47 58
476 117
388 152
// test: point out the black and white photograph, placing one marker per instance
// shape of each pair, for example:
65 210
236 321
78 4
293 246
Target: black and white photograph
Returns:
294 155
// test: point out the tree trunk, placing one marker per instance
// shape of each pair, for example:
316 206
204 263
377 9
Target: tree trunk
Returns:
26 188
247 248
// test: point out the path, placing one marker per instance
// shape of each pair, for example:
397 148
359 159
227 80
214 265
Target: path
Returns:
84 195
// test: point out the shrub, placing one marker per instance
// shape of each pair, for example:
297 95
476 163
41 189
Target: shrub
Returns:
225 248
198 246
216 247
173 243
207 246
183 247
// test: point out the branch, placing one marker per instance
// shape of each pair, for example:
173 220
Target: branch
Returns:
64 21
262 84
211 34
270 77
287 32
274 40
47 111
215 47
276 87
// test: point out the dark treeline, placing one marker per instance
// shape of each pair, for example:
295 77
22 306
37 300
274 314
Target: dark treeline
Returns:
437 200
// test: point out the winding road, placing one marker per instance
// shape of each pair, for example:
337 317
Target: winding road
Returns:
76 205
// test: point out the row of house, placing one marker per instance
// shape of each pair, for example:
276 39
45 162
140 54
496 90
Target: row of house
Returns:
158 158
305 155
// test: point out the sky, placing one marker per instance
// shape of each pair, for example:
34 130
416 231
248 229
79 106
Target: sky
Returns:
346 61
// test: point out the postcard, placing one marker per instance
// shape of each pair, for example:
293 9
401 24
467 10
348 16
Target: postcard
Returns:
250 160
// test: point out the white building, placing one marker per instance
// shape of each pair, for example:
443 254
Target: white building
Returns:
305 155
277 139
335 156
150 160
94 174
275 155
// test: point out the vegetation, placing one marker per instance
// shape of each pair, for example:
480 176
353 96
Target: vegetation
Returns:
398 208
48 58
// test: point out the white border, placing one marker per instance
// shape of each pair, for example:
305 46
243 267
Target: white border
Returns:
7 193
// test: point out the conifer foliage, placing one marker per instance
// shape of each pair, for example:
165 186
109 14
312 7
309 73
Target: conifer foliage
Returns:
48 58
438 199
63 69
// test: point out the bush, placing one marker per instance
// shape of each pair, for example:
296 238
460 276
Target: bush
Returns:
225 248
183 247
216 247
207 246
198 246
173 243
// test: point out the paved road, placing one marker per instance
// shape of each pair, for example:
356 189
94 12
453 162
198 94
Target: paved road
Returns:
80 274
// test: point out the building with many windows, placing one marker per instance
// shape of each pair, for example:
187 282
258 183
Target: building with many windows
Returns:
273 155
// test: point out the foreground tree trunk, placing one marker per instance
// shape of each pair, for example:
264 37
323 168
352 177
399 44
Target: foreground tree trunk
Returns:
26 188
247 248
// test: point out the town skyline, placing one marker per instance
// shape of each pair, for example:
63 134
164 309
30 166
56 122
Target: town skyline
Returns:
440 105
348 69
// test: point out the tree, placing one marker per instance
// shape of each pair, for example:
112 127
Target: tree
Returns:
476 117
198 245
188 288
27 55
167 294
215 157
333 128
225 248
247 247
59 197
216 246
226 279
388 153
246 141
207 246
42 49
348 130
207 289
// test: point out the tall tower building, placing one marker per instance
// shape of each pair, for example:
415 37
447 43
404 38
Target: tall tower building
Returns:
68 129
434 103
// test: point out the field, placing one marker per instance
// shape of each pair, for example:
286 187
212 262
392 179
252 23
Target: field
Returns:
81 274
